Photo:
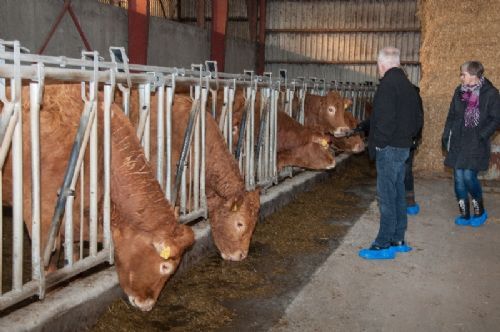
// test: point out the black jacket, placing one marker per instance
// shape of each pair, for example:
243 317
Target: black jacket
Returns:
364 126
470 148
397 113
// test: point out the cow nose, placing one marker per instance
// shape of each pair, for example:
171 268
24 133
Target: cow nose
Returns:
235 256
145 305
341 131
359 147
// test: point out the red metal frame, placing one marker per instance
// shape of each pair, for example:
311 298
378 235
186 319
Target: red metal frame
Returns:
138 31
66 7
219 26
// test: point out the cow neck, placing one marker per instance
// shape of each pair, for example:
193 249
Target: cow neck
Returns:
134 189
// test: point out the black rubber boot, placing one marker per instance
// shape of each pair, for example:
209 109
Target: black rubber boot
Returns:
480 214
478 207
464 218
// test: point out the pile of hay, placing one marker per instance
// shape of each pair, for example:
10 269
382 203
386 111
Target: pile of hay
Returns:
452 33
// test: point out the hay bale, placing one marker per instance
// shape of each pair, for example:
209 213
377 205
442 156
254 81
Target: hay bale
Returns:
452 33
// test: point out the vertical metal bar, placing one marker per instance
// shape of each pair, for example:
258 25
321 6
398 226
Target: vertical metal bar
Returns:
147 127
195 167
160 137
17 194
93 180
182 201
125 100
274 145
143 129
68 231
107 239
203 197
251 138
213 93
230 118
82 205
224 116
168 159
35 179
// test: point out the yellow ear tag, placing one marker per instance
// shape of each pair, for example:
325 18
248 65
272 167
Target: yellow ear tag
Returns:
165 253
324 143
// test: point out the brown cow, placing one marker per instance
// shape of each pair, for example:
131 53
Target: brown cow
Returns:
302 146
232 211
147 238
149 242
294 140
352 144
326 113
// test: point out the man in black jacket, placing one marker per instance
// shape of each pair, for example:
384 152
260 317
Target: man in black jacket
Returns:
394 124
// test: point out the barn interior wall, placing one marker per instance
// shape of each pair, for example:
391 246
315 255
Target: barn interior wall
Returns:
338 39
171 43
454 32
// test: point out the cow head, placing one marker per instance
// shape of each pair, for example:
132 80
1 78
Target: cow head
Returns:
352 144
233 223
144 261
311 156
331 113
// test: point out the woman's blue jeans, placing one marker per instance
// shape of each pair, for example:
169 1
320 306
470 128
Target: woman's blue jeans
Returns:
466 182
391 194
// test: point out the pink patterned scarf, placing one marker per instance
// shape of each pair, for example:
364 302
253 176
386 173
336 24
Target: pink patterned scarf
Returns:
470 94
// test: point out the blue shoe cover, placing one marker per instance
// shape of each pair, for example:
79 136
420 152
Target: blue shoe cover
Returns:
479 221
377 254
459 221
413 209
402 248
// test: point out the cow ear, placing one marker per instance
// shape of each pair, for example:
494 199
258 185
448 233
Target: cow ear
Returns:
184 236
347 103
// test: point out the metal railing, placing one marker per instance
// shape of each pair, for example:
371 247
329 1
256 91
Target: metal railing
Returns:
101 81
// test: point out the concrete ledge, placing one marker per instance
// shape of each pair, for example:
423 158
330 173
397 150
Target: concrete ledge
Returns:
79 305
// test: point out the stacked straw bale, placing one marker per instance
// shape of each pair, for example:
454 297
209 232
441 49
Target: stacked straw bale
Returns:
452 32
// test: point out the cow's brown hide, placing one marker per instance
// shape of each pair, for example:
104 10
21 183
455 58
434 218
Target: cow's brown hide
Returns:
232 211
140 233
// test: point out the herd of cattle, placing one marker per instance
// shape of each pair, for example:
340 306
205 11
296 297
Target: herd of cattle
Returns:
148 239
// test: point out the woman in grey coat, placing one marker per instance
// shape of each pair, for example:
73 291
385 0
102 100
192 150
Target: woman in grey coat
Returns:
473 118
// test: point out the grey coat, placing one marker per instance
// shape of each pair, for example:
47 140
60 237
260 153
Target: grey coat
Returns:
470 148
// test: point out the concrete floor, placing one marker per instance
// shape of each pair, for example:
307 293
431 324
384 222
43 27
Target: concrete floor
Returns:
449 282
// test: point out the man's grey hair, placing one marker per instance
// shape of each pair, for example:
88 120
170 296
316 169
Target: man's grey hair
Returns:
389 56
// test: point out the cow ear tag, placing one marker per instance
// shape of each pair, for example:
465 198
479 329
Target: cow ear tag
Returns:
165 252
324 143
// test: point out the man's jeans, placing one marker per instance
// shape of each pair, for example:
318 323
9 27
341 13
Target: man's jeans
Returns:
466 181
391 194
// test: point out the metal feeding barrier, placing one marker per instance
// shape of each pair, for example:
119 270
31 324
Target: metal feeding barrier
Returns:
139 87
